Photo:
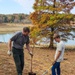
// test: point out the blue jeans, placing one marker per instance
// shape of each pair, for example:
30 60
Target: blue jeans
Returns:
56 69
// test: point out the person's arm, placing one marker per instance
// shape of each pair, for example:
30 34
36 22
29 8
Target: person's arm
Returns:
10 41
9 48
58 55
13 38
10 45
28 48
27 44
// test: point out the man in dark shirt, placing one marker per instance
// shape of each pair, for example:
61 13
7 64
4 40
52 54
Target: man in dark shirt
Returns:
19 39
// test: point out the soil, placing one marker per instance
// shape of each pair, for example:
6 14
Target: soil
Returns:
42 60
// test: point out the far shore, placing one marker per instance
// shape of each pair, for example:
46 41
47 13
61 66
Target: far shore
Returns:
12 27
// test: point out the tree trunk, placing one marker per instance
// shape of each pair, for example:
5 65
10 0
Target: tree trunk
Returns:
51 39
52 30
51 43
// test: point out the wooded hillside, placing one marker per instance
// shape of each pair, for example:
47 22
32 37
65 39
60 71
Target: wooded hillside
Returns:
15 18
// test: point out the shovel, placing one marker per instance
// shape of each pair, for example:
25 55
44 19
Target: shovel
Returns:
31 73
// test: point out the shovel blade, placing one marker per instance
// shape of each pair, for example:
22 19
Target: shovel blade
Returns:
31 73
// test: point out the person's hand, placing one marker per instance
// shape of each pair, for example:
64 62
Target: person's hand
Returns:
53 62
31 54
9 52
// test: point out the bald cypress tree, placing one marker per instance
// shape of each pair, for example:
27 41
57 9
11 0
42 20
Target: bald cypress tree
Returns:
53 16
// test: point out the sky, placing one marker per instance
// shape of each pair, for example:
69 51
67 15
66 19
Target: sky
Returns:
18 6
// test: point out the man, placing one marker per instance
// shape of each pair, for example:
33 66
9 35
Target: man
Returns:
19 39
58 55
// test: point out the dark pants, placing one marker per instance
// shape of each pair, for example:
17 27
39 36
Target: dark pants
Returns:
56 69
18 56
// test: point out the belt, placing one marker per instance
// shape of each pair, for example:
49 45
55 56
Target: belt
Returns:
17 48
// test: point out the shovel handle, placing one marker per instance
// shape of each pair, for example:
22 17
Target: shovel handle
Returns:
31 62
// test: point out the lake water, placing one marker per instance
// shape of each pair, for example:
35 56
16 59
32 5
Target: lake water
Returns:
5 38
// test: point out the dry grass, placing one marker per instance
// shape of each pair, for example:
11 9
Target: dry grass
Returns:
42 60
11 27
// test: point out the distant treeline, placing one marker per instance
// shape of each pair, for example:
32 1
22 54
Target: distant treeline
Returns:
15 18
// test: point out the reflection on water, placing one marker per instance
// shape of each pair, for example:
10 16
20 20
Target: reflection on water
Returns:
5 38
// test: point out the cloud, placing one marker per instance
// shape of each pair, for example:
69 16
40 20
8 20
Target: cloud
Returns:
26 4
21 2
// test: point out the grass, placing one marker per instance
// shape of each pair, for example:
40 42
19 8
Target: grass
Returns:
68 47
42 60
12 27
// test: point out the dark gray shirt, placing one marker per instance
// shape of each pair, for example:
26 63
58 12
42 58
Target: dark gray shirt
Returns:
19 40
